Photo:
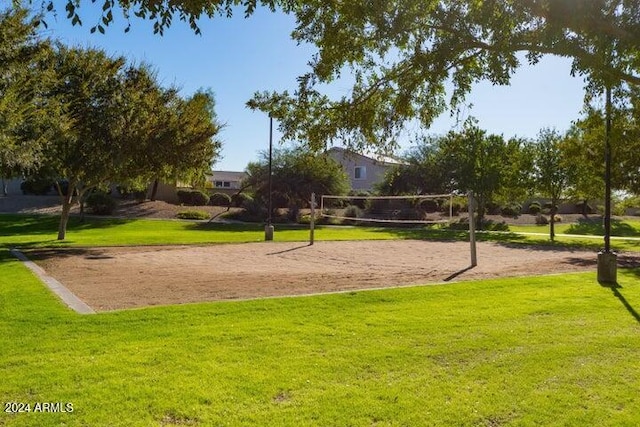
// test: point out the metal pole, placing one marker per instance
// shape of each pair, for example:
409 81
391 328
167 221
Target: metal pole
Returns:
268 229
607 173
270 166
607 260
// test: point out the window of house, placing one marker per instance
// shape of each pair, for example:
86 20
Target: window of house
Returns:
360 172
226 184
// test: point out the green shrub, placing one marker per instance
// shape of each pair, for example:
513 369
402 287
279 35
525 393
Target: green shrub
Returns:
409 214
374 206
184 196
137 193
461 224
238 200
37 186
193 214
353 211
455 207
254 210
361 203
534 208
511 210
193 197
220 199
428 205
491 225
541 220
101 203
199 198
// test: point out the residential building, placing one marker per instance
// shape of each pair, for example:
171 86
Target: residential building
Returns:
228 182
364 171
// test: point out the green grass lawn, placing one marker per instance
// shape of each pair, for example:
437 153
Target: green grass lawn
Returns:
555 350
41 231
34 230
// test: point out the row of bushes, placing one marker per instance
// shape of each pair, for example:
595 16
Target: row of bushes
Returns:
200 198
534 208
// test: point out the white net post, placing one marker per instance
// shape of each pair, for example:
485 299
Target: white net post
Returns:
472 232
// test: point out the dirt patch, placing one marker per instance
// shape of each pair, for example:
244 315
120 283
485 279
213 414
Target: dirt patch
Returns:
119 278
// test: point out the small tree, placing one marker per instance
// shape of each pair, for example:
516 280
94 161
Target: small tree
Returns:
421 172
552 171
296 174
21 54
475 162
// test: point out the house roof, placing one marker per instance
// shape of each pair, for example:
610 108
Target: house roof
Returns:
228 176
378 158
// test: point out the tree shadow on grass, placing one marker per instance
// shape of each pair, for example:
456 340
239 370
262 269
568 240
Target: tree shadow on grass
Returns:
615 289
595 227
43 254
12 224
40 254
447 235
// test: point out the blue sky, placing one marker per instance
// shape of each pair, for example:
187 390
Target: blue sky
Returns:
237 57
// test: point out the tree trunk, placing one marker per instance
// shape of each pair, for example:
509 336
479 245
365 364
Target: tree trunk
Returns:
5 189
552 222
154 190
81 209
480 212
584 207
67 202
64 217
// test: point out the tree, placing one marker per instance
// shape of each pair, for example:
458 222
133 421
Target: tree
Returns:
585 144
402 55
86 148
296 174
518 181
553 171
162 13
420 173
115 125
475 162
172 139
21 51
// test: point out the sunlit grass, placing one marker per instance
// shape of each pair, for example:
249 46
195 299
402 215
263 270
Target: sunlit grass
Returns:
554 350
38 231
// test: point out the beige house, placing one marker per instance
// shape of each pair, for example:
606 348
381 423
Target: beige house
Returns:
228 182
364 171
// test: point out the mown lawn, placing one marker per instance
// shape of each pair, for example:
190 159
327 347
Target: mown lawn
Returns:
555 350
41 231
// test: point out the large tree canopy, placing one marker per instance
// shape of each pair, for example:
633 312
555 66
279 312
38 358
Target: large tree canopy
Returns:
403 54
114 124
20 52
161 13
